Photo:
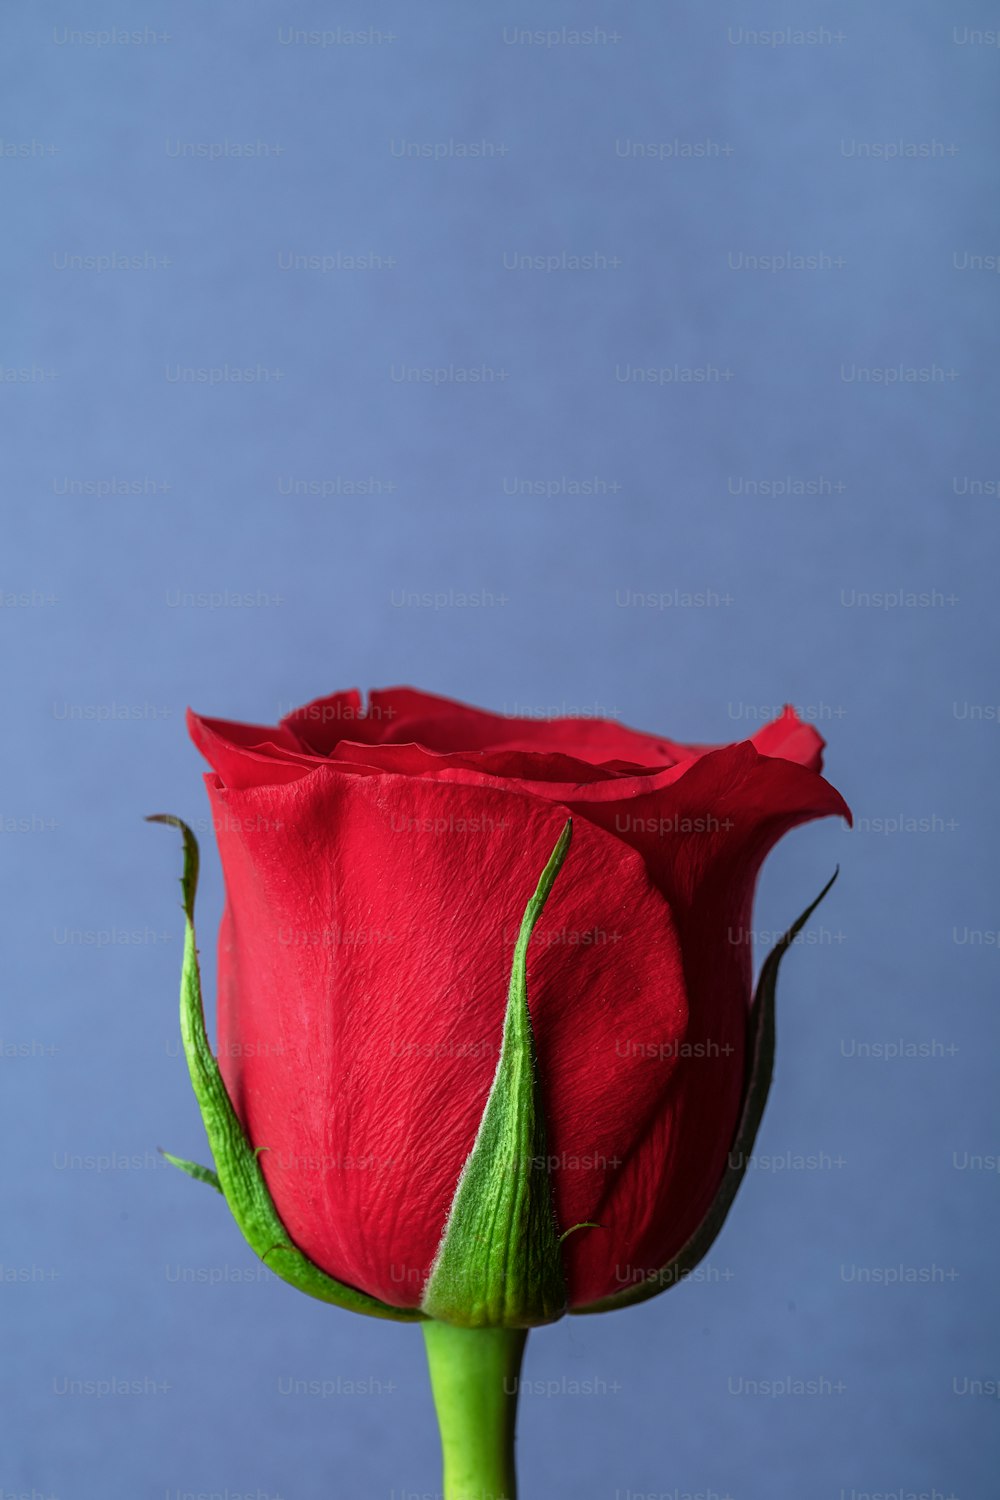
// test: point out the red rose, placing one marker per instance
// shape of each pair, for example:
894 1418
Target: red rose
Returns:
377 863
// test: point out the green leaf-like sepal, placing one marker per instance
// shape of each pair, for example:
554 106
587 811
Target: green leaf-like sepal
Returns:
193 1169
499 1264
760 1070
239 1176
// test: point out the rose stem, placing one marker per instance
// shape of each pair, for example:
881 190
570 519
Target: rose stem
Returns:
475 1378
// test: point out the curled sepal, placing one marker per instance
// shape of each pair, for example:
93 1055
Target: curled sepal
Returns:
499 1264
239 1176
759 1072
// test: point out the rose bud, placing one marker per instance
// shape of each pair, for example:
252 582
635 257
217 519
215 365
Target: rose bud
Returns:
488 1049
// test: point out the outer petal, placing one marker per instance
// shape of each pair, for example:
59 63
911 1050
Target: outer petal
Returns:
248 754
364 964
790 739
612 801
704 838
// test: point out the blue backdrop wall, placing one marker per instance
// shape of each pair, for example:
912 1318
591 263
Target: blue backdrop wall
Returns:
669 333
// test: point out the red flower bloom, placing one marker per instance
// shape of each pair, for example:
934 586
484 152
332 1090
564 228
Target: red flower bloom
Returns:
377 864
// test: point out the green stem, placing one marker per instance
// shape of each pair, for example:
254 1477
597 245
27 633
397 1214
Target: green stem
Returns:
475 1377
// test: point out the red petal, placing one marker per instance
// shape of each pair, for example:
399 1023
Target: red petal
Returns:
364 1067
704 838
791 739
246 755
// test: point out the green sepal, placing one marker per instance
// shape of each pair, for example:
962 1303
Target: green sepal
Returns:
240 1178
760 1068
499 1264
192 1168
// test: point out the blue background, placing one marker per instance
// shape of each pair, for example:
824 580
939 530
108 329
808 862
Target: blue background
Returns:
453 487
